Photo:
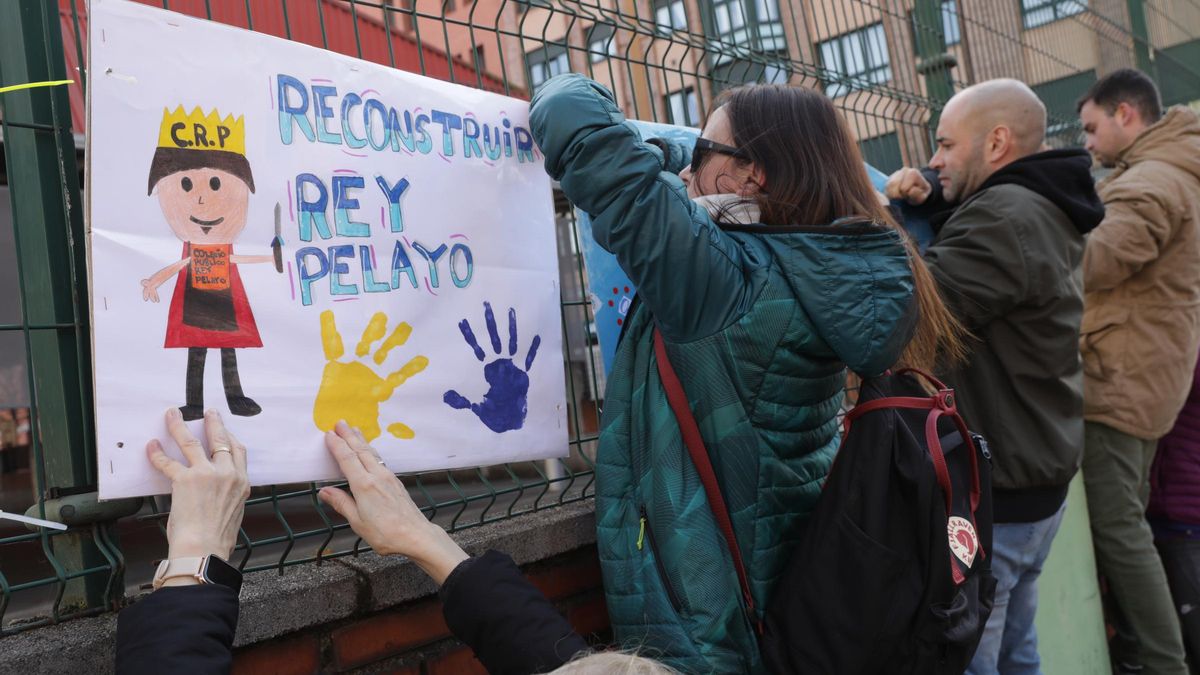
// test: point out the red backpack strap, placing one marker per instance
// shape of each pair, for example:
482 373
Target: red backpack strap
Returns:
942 403
695 445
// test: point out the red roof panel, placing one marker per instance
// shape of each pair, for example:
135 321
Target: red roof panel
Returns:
329 24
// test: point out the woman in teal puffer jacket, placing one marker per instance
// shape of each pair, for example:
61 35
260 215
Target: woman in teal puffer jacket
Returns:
769 267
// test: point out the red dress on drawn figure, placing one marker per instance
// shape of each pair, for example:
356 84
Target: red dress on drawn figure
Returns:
203 182
209 308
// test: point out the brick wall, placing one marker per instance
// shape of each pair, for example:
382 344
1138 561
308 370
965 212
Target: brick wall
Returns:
412 639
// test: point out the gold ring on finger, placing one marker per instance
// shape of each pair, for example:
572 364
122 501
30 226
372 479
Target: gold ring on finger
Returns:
221 448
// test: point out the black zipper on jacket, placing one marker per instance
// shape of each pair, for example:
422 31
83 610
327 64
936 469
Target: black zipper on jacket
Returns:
662 572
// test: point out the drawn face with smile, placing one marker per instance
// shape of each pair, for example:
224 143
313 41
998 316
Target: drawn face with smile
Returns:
204 206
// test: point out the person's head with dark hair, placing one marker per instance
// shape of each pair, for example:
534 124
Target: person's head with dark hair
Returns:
800 163
789 152
1115 110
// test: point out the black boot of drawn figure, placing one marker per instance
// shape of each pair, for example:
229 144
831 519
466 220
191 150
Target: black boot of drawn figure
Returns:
239 403
194 409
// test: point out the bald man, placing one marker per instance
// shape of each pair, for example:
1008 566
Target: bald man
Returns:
1006 256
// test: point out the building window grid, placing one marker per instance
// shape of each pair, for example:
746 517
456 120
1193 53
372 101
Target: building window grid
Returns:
741 22
602 43
545 63
1036 13
747 23
670 15
728 16
857 60
951 29
683 107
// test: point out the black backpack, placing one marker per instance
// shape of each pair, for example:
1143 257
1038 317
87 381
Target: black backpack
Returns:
892 572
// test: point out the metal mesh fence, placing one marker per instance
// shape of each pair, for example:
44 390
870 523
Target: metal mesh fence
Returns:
889 65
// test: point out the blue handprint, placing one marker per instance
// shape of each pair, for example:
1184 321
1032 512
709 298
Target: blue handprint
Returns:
505 403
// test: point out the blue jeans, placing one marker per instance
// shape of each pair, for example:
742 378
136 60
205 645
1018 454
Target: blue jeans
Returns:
1009 643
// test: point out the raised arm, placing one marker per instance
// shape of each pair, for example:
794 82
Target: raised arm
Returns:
186 626
689 273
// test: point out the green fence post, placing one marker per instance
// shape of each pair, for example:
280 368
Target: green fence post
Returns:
933 61
50 240
1143 49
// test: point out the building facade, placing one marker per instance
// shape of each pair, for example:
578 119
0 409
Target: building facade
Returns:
666 60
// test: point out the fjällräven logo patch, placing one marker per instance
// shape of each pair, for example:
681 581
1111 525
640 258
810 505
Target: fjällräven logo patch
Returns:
964 543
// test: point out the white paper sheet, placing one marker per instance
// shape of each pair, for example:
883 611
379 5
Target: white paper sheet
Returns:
185 98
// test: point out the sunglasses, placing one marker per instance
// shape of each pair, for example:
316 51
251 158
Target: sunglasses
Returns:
705 146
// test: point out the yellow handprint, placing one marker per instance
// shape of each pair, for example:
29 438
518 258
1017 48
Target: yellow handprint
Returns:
353 391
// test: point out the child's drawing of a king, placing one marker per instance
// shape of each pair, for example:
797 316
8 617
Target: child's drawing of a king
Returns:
203 182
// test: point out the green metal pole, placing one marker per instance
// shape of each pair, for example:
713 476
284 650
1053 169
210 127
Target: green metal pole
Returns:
933 61
1143 49
48 226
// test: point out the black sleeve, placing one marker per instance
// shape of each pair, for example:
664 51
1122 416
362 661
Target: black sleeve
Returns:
179 630
513 628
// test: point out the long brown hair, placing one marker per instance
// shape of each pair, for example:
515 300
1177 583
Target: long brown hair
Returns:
815 175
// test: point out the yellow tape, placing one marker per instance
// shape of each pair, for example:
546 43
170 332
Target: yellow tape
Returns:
31 85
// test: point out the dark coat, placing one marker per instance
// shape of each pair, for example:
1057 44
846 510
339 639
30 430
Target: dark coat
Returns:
1007 262
1175 478
487 603
179 630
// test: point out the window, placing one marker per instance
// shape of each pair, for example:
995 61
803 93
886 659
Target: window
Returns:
855 60
1036 13
753 24
748 23
768 10
670 15
479 54
683 107
728 16
601 42
545 63
951 30
734 72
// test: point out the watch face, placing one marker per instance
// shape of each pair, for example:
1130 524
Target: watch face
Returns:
218 571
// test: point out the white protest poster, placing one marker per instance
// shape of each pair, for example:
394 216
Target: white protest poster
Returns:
292 237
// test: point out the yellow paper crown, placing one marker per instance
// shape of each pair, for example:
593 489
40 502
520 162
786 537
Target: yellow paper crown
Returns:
197 131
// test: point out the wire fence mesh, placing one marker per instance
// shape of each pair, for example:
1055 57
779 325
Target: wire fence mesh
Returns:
889 65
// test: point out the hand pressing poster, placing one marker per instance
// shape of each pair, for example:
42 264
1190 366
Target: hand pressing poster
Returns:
293 237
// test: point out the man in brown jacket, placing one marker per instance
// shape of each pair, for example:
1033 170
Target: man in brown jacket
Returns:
1139 340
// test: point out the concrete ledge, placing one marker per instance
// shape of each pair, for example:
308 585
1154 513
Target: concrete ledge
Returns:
310 595
390 581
